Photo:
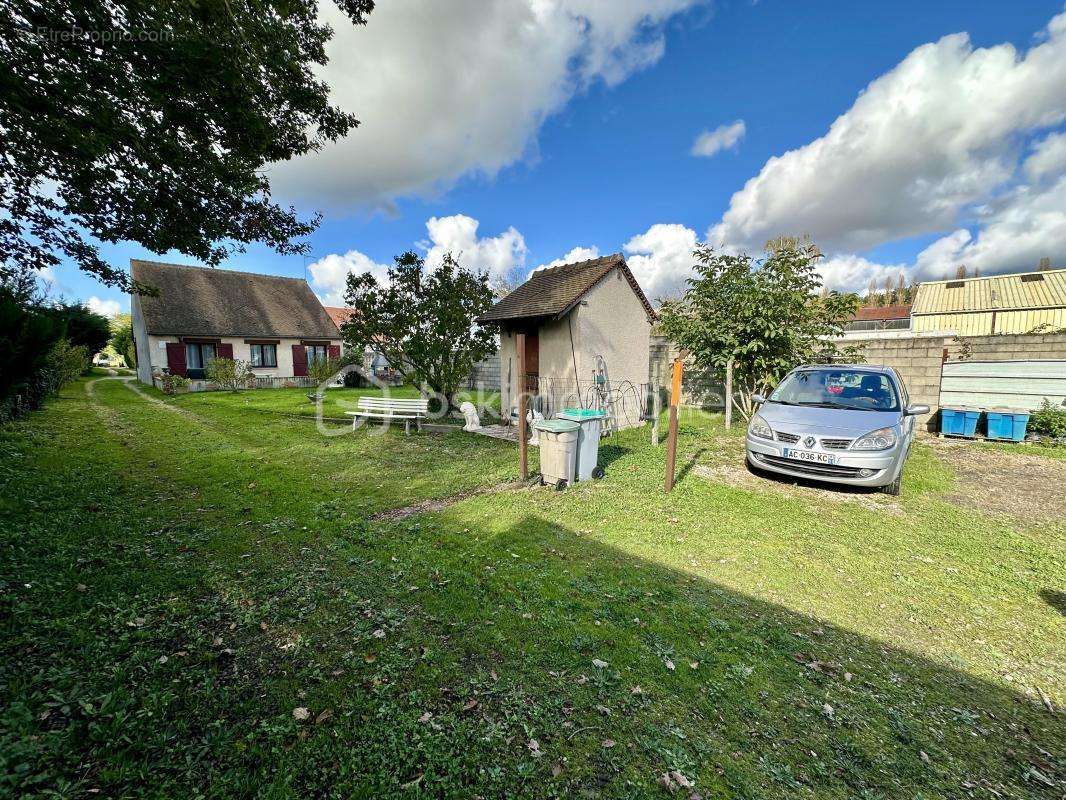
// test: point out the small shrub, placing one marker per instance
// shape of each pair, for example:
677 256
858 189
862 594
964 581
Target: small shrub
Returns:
172 384
229 373
1049 420
321 370
66 362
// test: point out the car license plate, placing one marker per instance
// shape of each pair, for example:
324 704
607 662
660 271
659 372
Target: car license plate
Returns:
807 455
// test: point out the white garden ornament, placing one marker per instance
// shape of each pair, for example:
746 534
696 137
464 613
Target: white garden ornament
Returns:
473 422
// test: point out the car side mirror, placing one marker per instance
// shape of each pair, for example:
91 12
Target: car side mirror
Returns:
758 398
916 409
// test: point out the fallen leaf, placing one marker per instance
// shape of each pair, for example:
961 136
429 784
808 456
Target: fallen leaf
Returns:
669 665
300 713
828 710
694 664
163 659
470 704
426 717
325 716
534 747
598 663
557 769
924 756
608 743
81 587
379 634
636 690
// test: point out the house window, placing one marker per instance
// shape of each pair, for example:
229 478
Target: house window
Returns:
197 356
317 352
264 355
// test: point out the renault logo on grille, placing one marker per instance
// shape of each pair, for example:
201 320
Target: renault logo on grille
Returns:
808 442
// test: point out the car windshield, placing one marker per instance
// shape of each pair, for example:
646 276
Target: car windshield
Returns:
837 388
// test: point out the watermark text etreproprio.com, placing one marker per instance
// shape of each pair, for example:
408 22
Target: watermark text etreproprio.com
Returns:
76 35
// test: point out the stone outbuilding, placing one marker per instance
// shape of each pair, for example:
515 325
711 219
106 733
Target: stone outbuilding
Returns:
588 329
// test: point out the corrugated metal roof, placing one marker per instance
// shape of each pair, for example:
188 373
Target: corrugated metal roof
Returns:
1001 292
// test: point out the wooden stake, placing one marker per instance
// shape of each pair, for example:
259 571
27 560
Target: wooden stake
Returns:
728 394
671 435
523 468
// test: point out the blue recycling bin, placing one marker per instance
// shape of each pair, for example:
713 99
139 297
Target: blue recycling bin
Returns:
959 421
1007 424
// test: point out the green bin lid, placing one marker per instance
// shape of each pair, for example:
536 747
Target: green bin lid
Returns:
579 414
555 425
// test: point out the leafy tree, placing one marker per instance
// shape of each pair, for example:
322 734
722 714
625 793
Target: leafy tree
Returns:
81 326
422 320
152 122
766 315
122 338
26 339
228 373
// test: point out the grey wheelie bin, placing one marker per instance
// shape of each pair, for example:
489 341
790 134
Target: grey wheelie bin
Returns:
558 450
588 441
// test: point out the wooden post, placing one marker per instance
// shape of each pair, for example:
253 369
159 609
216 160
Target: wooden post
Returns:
728 394
671 435
523 469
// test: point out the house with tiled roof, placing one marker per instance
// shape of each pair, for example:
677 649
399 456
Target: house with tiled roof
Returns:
572 316
275 324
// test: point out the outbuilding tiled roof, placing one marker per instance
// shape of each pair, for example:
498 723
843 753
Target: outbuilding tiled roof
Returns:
200 301
554 291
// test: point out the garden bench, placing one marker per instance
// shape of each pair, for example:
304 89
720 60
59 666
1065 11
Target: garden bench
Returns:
392 408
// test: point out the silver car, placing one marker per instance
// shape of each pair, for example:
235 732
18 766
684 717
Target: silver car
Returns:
842 423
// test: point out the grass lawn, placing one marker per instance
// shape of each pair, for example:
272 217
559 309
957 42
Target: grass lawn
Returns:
203 600
295 402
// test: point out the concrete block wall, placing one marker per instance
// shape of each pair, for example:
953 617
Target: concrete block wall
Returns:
1014 347
918 358
485 374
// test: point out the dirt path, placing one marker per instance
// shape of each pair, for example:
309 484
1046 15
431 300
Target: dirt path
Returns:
1021 484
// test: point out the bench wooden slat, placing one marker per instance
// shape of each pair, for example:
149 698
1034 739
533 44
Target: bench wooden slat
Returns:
389 408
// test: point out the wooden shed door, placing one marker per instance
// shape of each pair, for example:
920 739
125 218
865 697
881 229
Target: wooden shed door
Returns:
532 354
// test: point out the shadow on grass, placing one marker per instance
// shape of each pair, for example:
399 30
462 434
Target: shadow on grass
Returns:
1055 599
750 698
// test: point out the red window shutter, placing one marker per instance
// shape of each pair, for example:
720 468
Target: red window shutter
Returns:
299 361
176 358
224 351
334 351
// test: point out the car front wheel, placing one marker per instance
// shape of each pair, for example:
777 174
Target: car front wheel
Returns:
894 487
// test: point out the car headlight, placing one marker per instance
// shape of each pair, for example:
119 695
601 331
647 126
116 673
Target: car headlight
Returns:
758 427
881 439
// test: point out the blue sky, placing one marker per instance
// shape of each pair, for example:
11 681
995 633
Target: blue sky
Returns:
578 132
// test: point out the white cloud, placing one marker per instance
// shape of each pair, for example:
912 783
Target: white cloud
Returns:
329 275
1021 229
576 254
499 256
937 134
851 273
721 138
661 258
108 308
1048 158
444 90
